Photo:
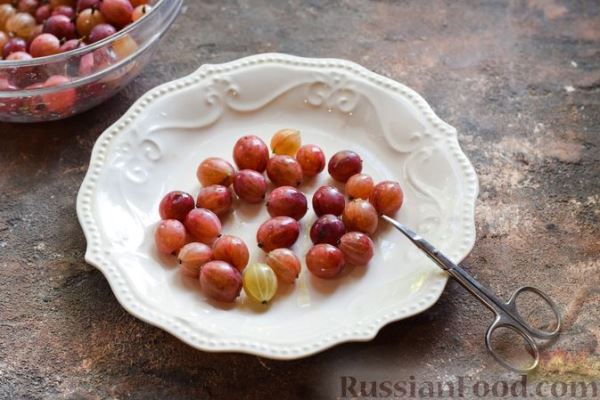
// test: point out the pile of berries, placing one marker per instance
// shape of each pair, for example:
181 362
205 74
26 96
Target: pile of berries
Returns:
340 235
39 28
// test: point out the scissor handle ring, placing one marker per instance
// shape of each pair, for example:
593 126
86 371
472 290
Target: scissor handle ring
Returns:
499 323
539 333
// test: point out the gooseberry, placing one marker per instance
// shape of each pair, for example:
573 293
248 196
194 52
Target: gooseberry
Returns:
325 261
43 13
232 250
360 215
70 45
216 198
124 46
328 200
57 3
28 6
61 101
327 229
286 142
13 45
21 24
215 171
250 152
176 205
45 44
250 185
67 11
100 32
220 281
3 39
6 12
140 11
60 26
260 282
192 257
85 4
284 263
287 201
117 12
311 159
87 20
169 236
359 186
387 197
357 248
20 56
277 232
284 171
203 225
344 164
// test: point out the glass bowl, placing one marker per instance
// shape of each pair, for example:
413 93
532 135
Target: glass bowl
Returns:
65 84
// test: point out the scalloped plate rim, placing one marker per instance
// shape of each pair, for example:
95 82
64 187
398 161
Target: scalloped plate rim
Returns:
273 351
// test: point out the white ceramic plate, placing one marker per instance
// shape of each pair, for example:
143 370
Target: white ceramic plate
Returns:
156 146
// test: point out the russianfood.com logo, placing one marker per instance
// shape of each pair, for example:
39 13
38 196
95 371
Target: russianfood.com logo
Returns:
354 388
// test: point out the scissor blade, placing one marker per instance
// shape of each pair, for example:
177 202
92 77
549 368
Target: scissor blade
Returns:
429 249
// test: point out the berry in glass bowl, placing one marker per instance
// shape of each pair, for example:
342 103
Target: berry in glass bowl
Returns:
140 11
60 26
117 12
65 10
101 32
59 102
87 20
42 13
43 45
89 79
87 4
13 45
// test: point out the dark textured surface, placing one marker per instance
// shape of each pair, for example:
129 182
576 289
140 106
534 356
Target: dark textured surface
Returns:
519 79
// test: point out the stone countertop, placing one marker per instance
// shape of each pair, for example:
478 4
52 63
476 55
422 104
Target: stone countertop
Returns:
520 80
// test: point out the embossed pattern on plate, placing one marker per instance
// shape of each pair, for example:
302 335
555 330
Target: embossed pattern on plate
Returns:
156 146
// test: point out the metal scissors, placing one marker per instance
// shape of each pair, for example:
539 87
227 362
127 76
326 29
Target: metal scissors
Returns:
507 314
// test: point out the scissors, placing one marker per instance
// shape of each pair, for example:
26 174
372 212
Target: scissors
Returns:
507 314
